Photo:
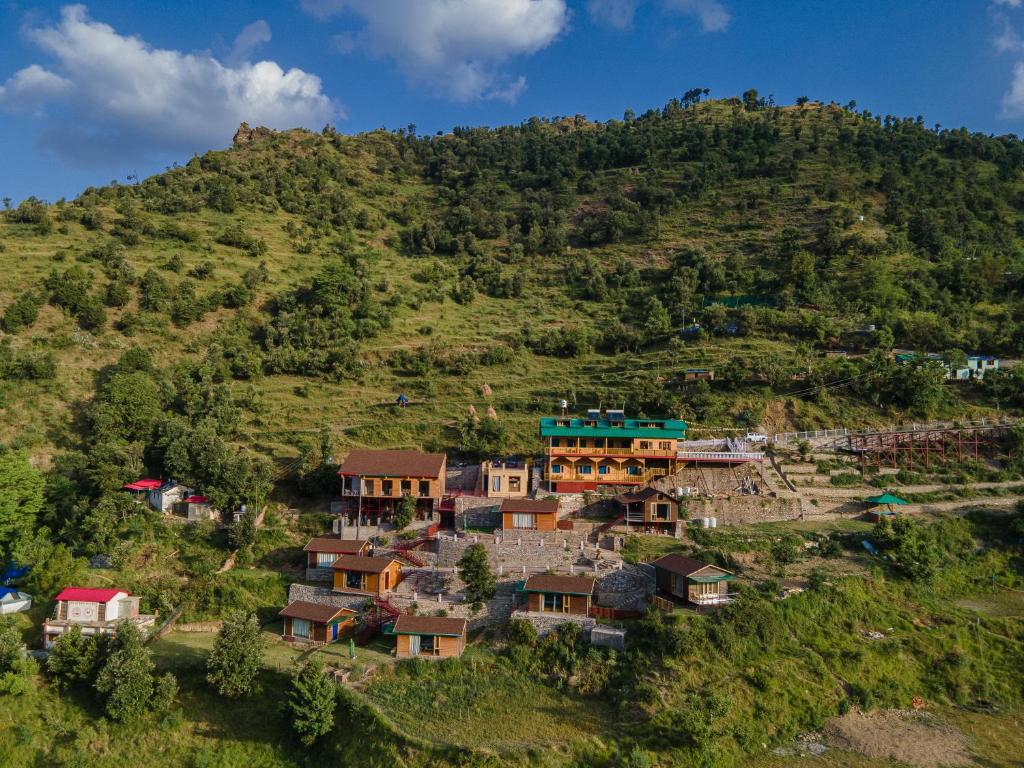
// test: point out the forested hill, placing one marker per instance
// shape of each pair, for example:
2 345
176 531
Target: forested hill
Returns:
301 280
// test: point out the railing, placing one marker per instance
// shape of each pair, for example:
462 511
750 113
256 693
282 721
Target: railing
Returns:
662 604
720 455
640 477
640 452
714 599
600 612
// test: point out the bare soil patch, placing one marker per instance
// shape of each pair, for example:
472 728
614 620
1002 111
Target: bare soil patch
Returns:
915 738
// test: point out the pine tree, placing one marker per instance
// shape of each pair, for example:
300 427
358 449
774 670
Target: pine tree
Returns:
476 573
312 702
73 658
237 656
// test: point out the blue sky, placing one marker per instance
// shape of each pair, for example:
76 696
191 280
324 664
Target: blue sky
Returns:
91 93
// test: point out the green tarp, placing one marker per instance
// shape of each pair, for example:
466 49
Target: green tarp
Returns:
711 578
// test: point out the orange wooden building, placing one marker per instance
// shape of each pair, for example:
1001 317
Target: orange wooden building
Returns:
321 552
374 481
369 575
529 514
559 594
691 580
429 637
649 508
315 623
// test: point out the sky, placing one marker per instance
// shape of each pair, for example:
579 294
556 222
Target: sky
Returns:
114 89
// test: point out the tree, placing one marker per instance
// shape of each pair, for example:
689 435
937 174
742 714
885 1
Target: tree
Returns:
404 512
10 644
243 533
476 573
72 661
657 322
21 498
312 702
126 678
237 656
784 551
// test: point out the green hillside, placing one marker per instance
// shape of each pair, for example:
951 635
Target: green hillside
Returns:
239 322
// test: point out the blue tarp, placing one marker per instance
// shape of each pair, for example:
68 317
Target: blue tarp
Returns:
869 547
12 572
5 591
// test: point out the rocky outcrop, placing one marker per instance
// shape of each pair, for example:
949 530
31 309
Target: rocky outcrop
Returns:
247 135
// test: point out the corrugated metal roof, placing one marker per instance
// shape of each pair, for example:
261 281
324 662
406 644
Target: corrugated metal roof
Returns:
86 595
664 428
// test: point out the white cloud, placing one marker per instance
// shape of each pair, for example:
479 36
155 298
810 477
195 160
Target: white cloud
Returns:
1007 3
31 87
1013 99
121 95
455 47
712 14
251 38
615 13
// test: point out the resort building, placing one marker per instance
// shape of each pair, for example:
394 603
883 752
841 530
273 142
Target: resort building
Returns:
366 575
558 594
429 637
507 479
649 509
314 623
322 551
692 581
96 611
582 454
529 514
372 482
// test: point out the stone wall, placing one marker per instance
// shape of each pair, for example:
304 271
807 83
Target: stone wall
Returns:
547 622
319 574
608 637
477 512
521 549
739 510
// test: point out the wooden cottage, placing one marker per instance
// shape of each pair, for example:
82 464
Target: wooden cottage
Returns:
315 623
368 575
372 482
650 508
429 637
529 514
692 581
322 551
559 594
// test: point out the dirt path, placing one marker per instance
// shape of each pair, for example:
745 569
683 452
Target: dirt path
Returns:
916 738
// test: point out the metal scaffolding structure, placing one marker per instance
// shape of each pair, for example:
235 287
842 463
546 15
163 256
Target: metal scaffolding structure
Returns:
923 447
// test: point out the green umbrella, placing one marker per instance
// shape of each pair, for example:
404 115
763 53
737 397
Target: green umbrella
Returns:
886 498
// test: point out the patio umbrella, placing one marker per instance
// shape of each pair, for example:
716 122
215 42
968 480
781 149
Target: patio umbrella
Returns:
886 499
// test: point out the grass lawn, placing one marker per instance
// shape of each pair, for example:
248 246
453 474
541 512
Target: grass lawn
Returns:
478 702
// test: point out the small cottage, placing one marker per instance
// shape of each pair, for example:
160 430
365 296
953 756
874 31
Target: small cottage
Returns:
650 508
692 581
315 623
529 514
164 498
559 594
369 575
429 637
508 479
96 611
322 551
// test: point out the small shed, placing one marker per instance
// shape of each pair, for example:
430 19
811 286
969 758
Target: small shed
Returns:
693 581
558 594
314 623
529 514
197 508
429 636
649 507
370 575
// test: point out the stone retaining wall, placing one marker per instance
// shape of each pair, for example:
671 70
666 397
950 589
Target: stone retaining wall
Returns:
547 622
326 596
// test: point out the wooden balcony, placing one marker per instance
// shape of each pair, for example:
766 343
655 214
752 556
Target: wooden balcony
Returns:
611 477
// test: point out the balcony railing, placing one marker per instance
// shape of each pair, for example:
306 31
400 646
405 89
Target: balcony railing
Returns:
714 599
611 477
556 450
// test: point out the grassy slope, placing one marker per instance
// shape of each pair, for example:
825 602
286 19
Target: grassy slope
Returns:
738 220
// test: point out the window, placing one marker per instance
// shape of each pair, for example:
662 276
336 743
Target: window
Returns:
665 445
387 487
514 485
406 487
662 511
603 469
428 644
645 445
367 487
325 559
353 580
632 470
556 469
424 487
553 601
301 628
585 469
523 520
495 482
